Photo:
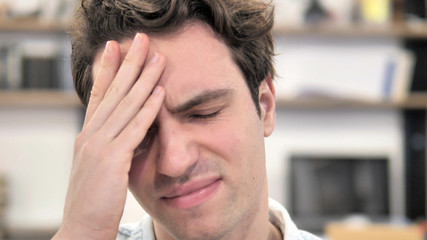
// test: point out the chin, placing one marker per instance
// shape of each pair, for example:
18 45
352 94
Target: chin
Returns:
200 232
199 225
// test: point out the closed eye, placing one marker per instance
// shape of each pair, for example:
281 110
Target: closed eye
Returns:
204 116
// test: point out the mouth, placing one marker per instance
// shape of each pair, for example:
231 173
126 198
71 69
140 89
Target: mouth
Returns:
192 194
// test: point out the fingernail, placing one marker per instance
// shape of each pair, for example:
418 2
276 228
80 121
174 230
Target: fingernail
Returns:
154 58
156 90
108 47
137 39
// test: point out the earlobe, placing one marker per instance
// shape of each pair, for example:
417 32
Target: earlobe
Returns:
267 94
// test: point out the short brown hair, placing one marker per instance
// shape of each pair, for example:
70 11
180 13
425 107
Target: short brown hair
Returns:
244 25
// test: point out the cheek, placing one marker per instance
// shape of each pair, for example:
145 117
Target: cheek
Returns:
245 142
233 140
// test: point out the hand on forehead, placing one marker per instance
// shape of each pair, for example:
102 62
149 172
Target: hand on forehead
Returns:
196 61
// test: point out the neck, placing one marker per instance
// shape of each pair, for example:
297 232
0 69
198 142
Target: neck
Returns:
257 225
275 233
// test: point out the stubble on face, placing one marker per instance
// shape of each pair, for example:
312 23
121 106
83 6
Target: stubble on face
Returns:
199 215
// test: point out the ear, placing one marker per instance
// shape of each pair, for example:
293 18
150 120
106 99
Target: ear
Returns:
267 94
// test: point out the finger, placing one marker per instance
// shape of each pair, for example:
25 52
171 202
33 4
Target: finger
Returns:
110 63
127 74
132 103
134 132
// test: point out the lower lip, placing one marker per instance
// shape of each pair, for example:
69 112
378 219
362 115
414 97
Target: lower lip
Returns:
195 198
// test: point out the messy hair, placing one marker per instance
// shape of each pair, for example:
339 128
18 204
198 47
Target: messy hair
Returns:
244 25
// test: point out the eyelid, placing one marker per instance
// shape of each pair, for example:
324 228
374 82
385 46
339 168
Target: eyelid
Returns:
206 111
205 116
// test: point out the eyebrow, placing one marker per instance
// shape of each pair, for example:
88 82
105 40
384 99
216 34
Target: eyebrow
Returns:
204 97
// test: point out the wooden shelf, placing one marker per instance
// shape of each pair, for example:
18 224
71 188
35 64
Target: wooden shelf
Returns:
415 31
49 98
31 25
355 30
414 101
39 98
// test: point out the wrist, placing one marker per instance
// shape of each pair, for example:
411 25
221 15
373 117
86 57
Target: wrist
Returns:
83 232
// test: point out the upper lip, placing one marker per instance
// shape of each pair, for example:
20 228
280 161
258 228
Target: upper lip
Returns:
187 188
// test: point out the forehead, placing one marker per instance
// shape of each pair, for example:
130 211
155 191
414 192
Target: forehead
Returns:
196 60
194 54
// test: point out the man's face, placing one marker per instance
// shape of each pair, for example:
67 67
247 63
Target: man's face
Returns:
201 171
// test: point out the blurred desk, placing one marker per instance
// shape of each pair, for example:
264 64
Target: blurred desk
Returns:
337 231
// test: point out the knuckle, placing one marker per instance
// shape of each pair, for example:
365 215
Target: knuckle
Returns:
92 147
140 120
80 140
93 150
129 60
113 89
126 101
136 121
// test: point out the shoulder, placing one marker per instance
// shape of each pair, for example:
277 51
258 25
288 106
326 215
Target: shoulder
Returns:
280 217
137 231
303 235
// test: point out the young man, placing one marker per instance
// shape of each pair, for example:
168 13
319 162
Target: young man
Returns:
179 97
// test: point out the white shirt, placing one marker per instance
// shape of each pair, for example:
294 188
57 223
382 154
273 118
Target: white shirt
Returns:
278 216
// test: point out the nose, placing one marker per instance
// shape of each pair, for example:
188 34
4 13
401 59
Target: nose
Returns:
177 156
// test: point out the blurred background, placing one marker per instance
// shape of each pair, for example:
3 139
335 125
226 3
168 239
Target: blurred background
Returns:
349 147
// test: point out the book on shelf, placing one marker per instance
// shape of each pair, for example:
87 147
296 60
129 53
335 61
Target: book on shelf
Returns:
398 76
364 72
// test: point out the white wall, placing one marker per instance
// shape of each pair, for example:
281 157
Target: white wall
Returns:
36 147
